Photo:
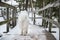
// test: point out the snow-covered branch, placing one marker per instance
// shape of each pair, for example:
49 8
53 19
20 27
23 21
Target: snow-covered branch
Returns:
48 6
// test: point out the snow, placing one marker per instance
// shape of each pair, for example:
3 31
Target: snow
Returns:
32 30
38 21
2 27
12 2
48 6
57 33
34 0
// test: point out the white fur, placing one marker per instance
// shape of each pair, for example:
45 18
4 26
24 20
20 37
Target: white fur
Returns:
23 22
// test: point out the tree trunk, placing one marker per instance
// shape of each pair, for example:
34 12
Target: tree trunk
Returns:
20 6
32 9
34 19
50 16
43 21
14 15
26 5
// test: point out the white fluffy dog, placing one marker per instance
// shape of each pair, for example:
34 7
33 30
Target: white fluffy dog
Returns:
23 22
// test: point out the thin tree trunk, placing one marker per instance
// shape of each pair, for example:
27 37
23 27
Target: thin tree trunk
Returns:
26 4
43 21
13 15
34 19
33 14
20 6
50 16
32 9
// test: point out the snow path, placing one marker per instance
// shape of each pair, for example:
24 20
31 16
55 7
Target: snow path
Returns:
32 30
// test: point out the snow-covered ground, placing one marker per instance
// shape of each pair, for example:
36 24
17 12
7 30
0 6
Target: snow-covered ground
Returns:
57 33
32 29
2 27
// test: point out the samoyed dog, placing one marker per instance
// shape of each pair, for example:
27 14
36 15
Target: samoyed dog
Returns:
23 22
